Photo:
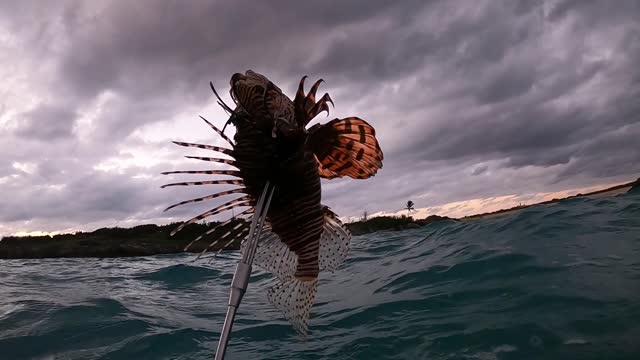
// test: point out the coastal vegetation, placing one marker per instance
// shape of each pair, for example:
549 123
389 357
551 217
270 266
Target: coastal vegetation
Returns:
392 223
146 240
409 207
143 240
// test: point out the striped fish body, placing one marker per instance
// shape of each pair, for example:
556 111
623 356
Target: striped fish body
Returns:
296 214
301 237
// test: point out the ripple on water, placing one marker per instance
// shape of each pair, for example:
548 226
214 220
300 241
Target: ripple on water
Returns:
548 282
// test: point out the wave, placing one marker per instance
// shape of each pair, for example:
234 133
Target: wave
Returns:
554 281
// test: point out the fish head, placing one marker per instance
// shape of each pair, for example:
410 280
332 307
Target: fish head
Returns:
265 103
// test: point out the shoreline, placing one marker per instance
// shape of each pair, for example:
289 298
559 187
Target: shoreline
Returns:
151 239
611 191
142 240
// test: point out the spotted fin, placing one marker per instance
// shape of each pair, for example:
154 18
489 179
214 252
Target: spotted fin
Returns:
345 147
334 242
274 256
295 299
293 296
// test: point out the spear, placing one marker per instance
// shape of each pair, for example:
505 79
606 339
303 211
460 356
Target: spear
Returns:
243 269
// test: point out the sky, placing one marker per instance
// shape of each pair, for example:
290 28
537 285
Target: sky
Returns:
474 102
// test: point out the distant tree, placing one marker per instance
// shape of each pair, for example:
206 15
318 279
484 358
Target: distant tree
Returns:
364 216
409 206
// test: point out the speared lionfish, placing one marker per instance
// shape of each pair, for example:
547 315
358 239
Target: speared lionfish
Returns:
301 237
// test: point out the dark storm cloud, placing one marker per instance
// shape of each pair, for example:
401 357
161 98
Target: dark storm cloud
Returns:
593 157
147 50
87 196
593 10
158 58
508 84
444 33
480 169
46 123
528 128
468 99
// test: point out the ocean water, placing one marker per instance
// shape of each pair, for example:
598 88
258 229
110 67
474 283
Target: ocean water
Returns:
547 282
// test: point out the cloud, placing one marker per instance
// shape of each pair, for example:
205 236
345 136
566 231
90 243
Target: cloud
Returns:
469 101
480 169
48 123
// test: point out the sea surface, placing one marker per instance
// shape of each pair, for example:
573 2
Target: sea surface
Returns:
559 281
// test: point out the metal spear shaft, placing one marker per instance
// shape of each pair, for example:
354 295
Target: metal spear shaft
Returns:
243 269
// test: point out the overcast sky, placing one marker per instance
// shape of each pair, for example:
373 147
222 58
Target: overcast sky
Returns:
470 99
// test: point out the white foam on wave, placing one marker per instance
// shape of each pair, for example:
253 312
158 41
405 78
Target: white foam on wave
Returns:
576 341
7 309
493 355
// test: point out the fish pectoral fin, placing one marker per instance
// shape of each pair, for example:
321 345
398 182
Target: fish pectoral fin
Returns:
291 295
274 256
334 242
345 147
295 298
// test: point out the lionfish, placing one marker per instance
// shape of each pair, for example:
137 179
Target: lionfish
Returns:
300 237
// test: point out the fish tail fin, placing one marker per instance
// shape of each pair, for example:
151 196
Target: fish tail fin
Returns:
295 298
345 147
